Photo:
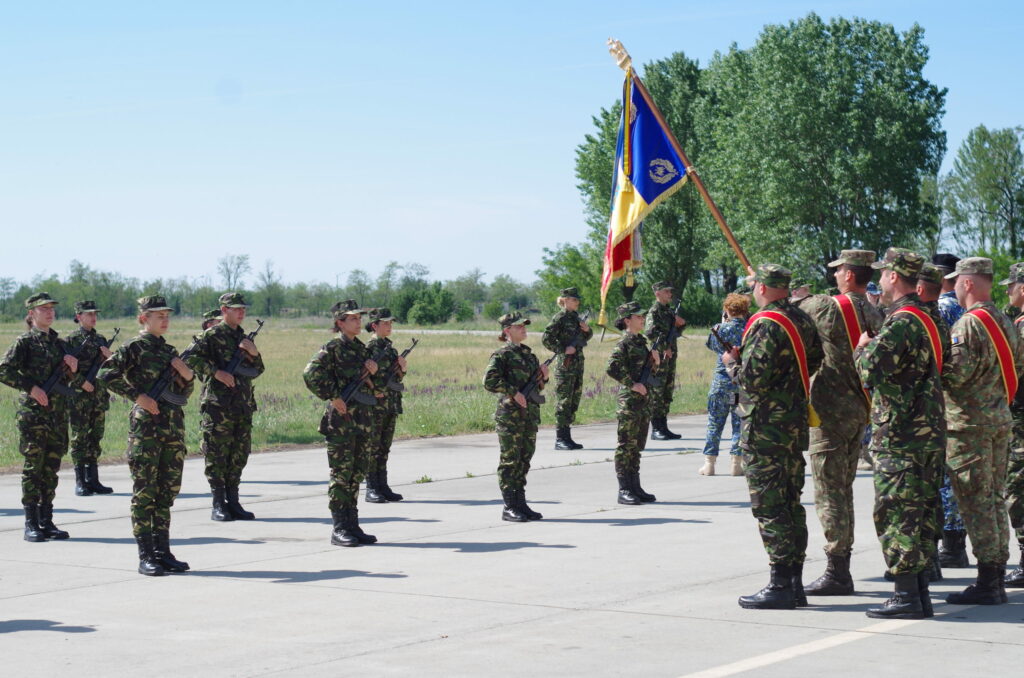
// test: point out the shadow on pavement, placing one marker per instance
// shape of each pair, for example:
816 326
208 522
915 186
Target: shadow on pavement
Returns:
187 541
20 511
471 502
285 482
362 519
16 625
732 504
478 547
283 577
624 522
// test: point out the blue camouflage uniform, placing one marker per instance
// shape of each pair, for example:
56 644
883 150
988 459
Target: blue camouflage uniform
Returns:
950 310
722 395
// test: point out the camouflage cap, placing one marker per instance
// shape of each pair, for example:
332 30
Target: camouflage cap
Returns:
569 292
39 299
347 307
773 275
873 289
854 258
663 285
84 306
901 260
972 265
628 309
233 300
797 282
381 314
212 314
945 261
930 273
513 318
1016 274
154 302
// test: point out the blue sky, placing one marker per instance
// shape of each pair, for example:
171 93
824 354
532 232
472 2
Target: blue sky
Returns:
154 138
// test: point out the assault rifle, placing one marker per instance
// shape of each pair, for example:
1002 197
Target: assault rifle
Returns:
161 388
529 389
235 365
393 372
351 391
673 332
90 377
725 344
647 377
53 382
578 341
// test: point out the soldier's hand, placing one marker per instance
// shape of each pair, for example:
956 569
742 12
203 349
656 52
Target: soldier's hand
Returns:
570 350
403 364
667 353
72 362
864 340
181 368
106 352
370 366
656 357
225 378
585 327
339 406
148 404
680 321
639 388
88 387
39 395
544 372
520 400
731 356
249 347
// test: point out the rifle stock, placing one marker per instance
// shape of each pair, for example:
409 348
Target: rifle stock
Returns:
90 377
235 365
161 388
529 389
53 382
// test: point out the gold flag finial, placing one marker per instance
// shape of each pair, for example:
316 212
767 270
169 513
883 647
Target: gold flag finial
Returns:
619 53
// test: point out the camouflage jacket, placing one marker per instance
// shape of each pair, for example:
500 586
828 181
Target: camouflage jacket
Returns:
975 394
337 363
563 328
900 368
388 398
660 320
510 368
29 362
626 364
134 369
213 352
86 359
732 331
1017 406
772 400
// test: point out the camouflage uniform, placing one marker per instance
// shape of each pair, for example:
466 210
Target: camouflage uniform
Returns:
660 320
633 411
1015 469
564 328
88 410
722 396
386 385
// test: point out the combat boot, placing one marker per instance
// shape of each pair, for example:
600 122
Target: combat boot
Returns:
385 489
986 590
148 563
626 495
799 595
737 465
82 487
645 497
342 534
562 441
220 512
237 512
658 430
92 477
353 525
708 469
953 552
836 581
934 569
568 436
46 526
32 531
162 553
373 494
669 435
1016 578
777 595
905 602
922 590
512 511
524 508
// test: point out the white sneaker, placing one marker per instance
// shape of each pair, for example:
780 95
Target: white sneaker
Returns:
708 469
737 465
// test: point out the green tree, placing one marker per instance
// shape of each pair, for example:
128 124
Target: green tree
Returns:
232 268
468 287
434 305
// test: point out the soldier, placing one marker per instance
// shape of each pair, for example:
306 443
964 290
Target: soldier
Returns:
902 365
625 366
156 432
42 418
565 328
780 351
516 419
340 363
660 320
391 370
88 407
843 405
211 318
799 291
722 396
986 358
227 405
1015 474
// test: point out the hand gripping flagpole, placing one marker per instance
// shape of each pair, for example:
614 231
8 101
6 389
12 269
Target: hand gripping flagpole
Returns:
625 62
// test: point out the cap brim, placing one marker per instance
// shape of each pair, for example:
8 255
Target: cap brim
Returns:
1007 282
879 265
388 319
158 308
235 305
950 276
837 262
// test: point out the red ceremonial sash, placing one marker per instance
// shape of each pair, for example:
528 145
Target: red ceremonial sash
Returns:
1003 352
853 327
930 329
1019 319
797 342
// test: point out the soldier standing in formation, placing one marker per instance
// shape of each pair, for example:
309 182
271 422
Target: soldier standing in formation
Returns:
386 386
42 417
88 407
565 328
346 426
156 432
780 351
625 366
516 418
1015 474
660 321
722 396
210 318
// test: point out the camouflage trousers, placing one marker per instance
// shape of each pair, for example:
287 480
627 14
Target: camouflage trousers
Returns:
381 434
156 456
517 438
835 451
775 479
346 456
568 388
634 418
977 464
1015 477
906 521
721 403
661 396
44 442
88 419
227 441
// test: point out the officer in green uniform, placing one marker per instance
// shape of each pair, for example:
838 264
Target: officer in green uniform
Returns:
42 417
660 320
210 318
565 335
387 389
516 418
1015 473
156 432
90 403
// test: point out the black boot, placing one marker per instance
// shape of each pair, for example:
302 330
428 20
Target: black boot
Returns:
342 535
665 432
82 487
32 531
220 512
1016 578
568 436
373 494
778 595
512 512
384 489
953 552
986 590
46 526
934 569
92 476
562 441
923 579
905 602
626 495
836 581
658 431
162 553
797 578
231 501
353 525
148 563
524 508
638 492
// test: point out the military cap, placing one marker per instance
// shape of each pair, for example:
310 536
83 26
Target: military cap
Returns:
233 300
854 258
797 282
154 302
744 290
873 289
39 299
347 307
211 314
972 265
1016 274
773 275
663 285
628 309
930 273
901 260
945 261
84 306
513 318
380 314
569 292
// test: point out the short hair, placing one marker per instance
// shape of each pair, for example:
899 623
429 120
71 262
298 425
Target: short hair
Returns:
861 274
984 276
908 281
930 287
736 304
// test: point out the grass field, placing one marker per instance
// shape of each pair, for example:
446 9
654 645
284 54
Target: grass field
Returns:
444 394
